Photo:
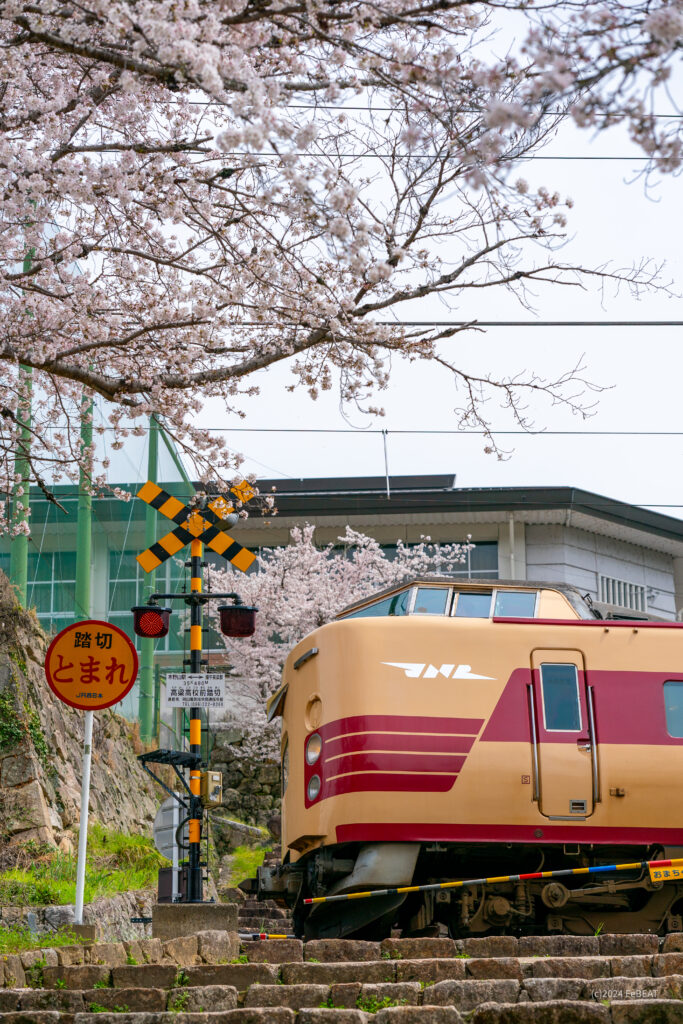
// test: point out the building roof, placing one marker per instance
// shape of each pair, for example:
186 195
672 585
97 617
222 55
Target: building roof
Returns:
423 500
429 495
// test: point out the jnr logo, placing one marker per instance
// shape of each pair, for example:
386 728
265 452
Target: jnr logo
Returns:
420 670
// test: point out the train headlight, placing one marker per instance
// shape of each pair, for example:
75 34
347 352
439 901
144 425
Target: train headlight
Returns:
314 786
313 748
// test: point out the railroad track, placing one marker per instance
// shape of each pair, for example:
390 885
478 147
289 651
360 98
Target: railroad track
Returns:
207 978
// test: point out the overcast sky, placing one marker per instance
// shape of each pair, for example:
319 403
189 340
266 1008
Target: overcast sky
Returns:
615 219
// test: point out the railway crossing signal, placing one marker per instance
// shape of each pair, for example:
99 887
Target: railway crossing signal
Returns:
207 526
195 526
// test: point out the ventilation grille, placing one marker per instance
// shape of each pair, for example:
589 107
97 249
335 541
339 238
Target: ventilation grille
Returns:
623 594
578 806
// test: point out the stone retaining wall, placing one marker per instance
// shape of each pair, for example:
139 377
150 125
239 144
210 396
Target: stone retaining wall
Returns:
251 783
112 915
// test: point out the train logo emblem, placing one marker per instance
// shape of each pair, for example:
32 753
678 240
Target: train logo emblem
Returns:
420 670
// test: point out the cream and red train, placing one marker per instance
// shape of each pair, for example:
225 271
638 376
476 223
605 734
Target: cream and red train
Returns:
445 730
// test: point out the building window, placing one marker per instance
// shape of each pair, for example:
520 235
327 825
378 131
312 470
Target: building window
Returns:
129 585
622 594
481 562
673 705
52 588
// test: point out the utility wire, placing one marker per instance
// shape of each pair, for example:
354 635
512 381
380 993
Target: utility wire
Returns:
390 110
431 156
473 323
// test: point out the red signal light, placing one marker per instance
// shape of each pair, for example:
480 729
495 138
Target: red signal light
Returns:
151 621
237 619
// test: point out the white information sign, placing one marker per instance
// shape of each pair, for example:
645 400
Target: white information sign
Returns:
195 690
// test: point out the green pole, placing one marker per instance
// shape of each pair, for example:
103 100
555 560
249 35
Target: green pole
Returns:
82 608
146 694
18 559
18 563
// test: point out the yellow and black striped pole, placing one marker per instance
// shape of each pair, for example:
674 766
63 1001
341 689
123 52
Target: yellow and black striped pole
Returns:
194 882
660 871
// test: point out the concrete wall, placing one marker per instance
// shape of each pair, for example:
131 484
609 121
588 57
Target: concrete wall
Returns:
569 555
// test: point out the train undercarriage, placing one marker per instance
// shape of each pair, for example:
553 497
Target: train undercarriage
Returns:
627 901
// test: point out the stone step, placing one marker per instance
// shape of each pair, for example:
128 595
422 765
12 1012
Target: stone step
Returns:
287 968
558 1011
225 988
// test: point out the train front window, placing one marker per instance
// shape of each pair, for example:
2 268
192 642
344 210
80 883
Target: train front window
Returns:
561 708
397 604
673 705
515 604
431 601
473 604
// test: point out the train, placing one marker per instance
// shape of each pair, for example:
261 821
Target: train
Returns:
446 729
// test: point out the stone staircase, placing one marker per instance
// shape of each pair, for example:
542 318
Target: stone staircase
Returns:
264 916
610 979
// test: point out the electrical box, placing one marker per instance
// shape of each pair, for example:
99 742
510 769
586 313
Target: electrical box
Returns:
212 789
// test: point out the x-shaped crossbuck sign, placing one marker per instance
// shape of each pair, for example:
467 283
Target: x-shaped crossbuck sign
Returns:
204 525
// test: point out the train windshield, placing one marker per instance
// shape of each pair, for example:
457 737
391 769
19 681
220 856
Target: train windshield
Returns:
431 601
515 604
397 604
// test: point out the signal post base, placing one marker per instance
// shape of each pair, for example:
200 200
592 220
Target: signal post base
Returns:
172 920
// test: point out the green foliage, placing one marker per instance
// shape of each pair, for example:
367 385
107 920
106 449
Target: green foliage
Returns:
34 974
131 961
60 983
241 959
11 726
245 861
98 1008
116 863
178 1001
371 1004
17 939
105 983
181 979
392 954
35 731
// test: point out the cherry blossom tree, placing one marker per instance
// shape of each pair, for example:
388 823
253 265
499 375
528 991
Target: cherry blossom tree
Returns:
189 195
300 587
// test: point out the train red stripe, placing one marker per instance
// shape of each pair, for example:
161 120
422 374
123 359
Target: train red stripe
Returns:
400 723
395 763
355 742
574 832
382 782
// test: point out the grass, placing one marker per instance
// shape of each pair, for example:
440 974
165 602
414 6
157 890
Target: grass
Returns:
116 863
245 861
18 940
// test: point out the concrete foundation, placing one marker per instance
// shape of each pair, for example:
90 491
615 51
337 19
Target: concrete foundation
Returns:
171 920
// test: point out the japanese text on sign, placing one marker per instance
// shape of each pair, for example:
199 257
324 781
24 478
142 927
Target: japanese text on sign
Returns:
195 690
666 874
91 665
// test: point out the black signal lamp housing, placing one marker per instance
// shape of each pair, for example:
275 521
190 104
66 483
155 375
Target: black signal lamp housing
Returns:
237 619
151 621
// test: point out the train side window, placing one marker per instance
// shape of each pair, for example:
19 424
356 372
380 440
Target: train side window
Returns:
673 705
561 707
473 604
431 601
398 604
515 604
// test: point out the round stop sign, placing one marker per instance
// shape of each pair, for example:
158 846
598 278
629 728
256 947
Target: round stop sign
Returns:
91 665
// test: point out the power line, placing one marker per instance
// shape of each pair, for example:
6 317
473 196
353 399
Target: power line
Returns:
391 110
476 323
454 431
434 156
418 499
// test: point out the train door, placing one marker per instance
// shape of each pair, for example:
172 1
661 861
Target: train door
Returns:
563 734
